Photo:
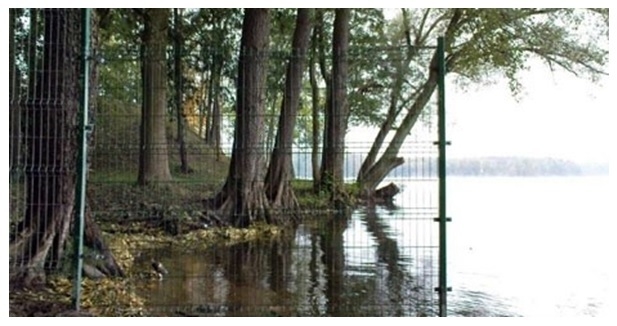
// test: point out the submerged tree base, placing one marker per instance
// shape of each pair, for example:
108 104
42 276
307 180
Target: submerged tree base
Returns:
130 243
382 196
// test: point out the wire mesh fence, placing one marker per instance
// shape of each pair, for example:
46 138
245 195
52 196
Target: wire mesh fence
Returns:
44 106
152 170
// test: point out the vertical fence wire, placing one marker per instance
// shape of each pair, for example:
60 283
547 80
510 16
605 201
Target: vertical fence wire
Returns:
44 107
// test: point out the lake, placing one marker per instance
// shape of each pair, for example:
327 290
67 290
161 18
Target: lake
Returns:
516 247
529 246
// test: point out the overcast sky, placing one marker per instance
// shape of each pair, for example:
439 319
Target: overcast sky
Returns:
557 115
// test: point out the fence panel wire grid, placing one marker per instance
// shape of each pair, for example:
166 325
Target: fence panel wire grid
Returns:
164 251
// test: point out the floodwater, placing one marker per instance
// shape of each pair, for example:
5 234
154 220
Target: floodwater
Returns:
516 247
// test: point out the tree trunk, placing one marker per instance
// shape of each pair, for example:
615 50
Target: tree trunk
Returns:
279 175
202 130
93 239
270 124
389 160
386 126
243 197
216 120
213 130
315 113
210 102
180 118
14 105
154 159
51 165
374 174
332 163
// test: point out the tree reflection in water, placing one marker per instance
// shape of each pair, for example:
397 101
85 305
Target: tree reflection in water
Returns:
341 264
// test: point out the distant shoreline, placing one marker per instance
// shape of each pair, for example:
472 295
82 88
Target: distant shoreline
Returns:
523 166
489 166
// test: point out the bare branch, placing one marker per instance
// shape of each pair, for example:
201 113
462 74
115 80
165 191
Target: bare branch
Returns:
422 24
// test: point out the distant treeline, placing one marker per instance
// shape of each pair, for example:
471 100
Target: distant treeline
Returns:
522 166
423 167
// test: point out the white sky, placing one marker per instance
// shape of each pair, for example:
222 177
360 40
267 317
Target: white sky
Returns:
557 115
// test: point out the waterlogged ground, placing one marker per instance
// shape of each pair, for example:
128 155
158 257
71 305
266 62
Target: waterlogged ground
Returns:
342 266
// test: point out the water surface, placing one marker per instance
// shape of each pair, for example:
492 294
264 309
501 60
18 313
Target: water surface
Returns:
516 247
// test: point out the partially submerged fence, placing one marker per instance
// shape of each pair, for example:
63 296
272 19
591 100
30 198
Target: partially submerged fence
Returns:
383 256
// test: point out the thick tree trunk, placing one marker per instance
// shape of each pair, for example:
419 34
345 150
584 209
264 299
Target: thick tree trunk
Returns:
279 175
315 113
243 197
154 160
50 165
332 163
180 118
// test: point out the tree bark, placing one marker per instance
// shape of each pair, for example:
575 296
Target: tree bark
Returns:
180 118
204 108
93 239
243 197
315 112
50 165
154 160
279 175
332 163
270 123
216 120
213 130
210 102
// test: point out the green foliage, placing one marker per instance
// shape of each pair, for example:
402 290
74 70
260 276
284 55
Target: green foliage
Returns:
118 56
501 41
212 38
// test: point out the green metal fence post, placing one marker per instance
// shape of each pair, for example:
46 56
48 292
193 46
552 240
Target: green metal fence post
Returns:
82 155
443 219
